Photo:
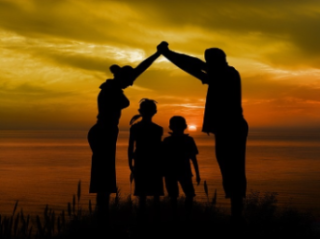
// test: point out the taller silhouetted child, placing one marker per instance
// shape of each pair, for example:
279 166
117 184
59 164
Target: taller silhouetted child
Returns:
144 154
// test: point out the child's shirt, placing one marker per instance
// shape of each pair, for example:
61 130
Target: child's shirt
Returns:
177 151
147 138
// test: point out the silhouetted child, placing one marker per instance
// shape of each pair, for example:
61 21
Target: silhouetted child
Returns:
178 150
144 154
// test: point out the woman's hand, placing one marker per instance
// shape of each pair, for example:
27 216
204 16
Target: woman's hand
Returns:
163 46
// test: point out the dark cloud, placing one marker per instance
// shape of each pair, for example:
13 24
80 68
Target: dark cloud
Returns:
293 23
28 91
262 88
146 23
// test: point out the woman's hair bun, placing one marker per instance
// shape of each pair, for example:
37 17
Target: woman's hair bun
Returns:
114 69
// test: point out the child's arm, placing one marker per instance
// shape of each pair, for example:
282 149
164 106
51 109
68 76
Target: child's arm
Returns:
130 151
196 168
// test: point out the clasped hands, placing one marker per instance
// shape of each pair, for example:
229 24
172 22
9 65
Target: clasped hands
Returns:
163 46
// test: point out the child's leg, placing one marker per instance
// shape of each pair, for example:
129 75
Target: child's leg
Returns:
156 201
188 203
188 189
173 192
142 204
156 207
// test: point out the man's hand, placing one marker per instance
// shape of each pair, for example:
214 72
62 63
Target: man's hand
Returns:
163 46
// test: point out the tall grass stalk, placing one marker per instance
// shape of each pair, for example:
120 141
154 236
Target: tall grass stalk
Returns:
262 219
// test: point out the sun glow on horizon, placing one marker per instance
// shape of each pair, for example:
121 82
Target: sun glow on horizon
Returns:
192 127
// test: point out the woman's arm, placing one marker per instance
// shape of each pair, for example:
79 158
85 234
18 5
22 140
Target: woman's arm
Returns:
145 64
192 65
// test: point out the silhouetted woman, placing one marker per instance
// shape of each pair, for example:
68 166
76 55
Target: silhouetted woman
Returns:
223 116
103 135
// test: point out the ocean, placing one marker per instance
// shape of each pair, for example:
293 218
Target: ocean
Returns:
39 168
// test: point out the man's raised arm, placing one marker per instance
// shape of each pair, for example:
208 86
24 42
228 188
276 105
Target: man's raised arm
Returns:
192 65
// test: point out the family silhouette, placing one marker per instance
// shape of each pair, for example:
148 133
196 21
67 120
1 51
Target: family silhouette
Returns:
152 159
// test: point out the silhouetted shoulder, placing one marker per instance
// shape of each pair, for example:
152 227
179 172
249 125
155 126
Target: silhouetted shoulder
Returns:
192 144
180 143
233 72
150 128
158 127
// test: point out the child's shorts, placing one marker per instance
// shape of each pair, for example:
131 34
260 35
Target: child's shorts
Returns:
185 183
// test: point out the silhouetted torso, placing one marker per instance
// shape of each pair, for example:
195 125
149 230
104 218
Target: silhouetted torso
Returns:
223 108
111 100
147 167
177 151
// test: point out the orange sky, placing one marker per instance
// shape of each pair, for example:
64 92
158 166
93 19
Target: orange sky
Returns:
55 54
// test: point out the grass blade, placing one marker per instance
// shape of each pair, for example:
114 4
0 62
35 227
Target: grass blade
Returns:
90 207
79 191
205 188
15 207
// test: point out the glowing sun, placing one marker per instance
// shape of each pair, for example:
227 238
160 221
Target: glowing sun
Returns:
192 127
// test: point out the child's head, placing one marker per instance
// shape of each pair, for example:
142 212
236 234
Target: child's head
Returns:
147 109
177 124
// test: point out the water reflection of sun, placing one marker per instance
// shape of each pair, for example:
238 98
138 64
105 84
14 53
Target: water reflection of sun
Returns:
192 127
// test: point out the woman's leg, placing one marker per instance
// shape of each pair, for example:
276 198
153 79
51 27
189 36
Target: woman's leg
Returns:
102 206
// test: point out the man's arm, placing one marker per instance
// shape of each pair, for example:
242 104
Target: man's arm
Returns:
192 65
145 64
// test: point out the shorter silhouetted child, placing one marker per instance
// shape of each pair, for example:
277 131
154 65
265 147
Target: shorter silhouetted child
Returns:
144 154
178 149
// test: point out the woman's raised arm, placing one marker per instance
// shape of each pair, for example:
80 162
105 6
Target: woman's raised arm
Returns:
145 64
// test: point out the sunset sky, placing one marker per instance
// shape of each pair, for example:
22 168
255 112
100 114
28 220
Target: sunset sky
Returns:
55 54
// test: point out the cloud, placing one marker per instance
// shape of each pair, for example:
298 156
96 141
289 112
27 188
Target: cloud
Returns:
276 32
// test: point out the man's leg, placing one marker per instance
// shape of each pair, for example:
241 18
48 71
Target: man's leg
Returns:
230 153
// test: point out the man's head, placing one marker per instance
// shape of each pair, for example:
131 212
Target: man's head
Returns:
215 56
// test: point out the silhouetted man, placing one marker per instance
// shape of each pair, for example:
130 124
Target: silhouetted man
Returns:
223 116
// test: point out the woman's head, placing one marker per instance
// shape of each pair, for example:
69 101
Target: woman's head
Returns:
123 74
